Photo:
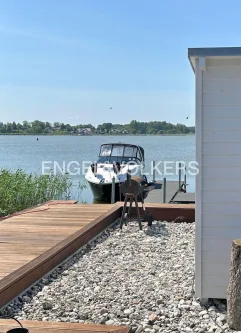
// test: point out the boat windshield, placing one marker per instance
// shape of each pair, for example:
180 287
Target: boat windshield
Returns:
110 153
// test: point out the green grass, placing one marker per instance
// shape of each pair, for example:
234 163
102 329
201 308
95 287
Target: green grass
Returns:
20 190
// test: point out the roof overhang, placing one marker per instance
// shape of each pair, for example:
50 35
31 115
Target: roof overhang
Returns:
213 52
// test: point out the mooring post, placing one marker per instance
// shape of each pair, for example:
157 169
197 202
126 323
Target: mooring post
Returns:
185 178
154 171
180 174
164 189
113 190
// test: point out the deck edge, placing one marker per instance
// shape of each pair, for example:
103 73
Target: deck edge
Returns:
47 203
51 325
15 283
167 212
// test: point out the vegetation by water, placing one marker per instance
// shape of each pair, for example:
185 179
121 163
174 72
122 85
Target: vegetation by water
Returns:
134 127
19 190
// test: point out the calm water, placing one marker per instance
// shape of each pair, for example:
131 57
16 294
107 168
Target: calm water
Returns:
27 153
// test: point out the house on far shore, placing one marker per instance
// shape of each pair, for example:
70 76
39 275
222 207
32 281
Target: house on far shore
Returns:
85 131
57 128
115 131
218 146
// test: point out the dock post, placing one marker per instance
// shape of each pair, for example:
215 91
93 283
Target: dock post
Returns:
154 171
180 174
113 191
185 178
164 189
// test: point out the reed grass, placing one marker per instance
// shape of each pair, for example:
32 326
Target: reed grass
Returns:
20 190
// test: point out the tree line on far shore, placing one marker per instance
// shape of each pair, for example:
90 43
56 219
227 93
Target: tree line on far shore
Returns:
134 127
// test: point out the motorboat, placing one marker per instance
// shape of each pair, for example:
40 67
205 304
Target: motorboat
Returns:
114 163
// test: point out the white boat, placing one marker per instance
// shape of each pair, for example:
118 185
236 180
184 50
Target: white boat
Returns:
115 160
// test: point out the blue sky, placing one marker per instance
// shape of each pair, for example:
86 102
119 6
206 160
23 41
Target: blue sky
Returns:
70 61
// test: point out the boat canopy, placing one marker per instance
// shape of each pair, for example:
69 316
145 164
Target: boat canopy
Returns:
120 152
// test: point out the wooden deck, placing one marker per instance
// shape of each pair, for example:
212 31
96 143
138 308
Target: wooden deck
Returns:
39 239
58 327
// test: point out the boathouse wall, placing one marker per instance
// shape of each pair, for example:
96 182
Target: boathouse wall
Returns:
218 153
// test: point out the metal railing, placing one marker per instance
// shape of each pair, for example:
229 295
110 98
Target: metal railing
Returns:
164 190
180 182
164 183
113 190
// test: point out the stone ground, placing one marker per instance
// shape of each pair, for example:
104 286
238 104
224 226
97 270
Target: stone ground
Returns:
144 279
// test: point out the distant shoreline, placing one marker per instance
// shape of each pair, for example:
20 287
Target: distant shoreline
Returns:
39 135
106 129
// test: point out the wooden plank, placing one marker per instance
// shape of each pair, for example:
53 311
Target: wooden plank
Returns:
60 327
42 206
168 212
31 247
162 205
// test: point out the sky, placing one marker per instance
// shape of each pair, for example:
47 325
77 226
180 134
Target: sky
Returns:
70 61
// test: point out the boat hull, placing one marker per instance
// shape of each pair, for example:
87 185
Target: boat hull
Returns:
102 192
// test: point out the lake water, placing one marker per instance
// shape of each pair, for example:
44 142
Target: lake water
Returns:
27 153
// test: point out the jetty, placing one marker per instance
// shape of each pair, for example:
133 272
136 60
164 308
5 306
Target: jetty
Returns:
170 191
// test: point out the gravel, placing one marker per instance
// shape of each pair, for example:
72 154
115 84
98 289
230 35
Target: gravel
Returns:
143 279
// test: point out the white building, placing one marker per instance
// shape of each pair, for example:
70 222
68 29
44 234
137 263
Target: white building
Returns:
218 152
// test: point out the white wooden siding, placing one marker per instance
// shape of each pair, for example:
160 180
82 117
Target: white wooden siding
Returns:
211 86
221 136
214 268
217 291
221 174
215 279
221 123
228 196
223 148
229 99
222 73
221 111
221 185
220 244
229 208
222 159
220 220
